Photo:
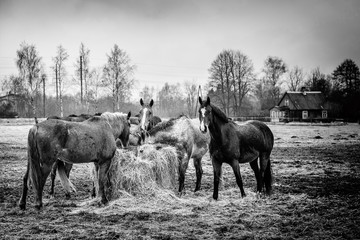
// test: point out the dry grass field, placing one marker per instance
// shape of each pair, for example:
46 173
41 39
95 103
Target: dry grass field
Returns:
316 196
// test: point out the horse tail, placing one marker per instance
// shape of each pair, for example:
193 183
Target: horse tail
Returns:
34 159
268 178
65 181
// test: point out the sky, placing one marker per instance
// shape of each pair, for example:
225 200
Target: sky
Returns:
176 41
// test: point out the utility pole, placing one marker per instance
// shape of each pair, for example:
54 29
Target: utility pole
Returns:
56 80
81 84
43 80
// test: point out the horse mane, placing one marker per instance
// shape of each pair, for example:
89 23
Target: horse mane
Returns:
219 113
164 125
112 117
109 117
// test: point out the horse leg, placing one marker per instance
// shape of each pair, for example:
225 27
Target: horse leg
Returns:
103 170
52 177
22 202
96 179
40 175
217 176
64 171
267 176
236 168
255 167
68 167
182 170
199 172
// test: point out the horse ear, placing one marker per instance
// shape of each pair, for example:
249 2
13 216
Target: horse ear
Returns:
129 115
142 136
151 102
200 100
208 101
141 102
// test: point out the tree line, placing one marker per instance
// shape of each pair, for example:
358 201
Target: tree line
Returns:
233 85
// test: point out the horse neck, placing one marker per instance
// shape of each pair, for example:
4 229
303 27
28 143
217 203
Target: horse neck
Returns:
215 128
116 126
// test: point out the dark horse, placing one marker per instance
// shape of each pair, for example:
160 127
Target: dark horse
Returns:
234 144
64 167
92 140
189 142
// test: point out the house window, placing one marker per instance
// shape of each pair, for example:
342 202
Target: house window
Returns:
304 114
286 102
324 114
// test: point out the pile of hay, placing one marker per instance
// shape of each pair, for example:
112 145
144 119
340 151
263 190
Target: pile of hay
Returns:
152 169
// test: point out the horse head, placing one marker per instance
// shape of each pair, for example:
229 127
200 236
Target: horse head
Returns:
204 114
145 115
124 136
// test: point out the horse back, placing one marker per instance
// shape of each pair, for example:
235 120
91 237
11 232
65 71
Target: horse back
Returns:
75 142
256 134
181 133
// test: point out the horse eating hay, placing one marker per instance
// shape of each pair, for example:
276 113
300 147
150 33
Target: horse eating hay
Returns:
189 142
234 144
63 166
73 142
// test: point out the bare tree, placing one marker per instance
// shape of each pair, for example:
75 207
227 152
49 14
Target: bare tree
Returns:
221 79
59 60
28 62
147 94
191 93
243 78
94 86
231 77
171 100
274 69
296 79
14 84
118 76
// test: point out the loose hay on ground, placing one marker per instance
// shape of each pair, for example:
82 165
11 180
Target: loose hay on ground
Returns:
148 172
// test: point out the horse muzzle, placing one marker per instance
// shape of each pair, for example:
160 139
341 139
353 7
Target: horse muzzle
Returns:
203 129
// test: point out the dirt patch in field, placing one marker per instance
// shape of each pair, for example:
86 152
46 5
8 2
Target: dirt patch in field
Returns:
316 196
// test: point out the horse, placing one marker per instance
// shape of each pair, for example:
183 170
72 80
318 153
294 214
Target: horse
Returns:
63 166
144 121
189 142
146 118
233 144
92 140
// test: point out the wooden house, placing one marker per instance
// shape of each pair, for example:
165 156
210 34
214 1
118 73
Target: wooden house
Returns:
300 106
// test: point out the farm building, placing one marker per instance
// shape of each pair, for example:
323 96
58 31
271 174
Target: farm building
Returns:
300 106
9 105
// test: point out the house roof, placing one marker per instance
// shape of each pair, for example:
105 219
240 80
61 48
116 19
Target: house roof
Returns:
306 100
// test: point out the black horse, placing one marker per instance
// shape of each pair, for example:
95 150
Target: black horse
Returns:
233 144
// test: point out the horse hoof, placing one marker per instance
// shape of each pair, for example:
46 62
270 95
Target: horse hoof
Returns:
38 207
104 201
22 206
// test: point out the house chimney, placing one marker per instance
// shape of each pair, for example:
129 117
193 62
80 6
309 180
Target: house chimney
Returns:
303 91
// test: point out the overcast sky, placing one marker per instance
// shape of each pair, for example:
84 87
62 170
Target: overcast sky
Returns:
176 41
